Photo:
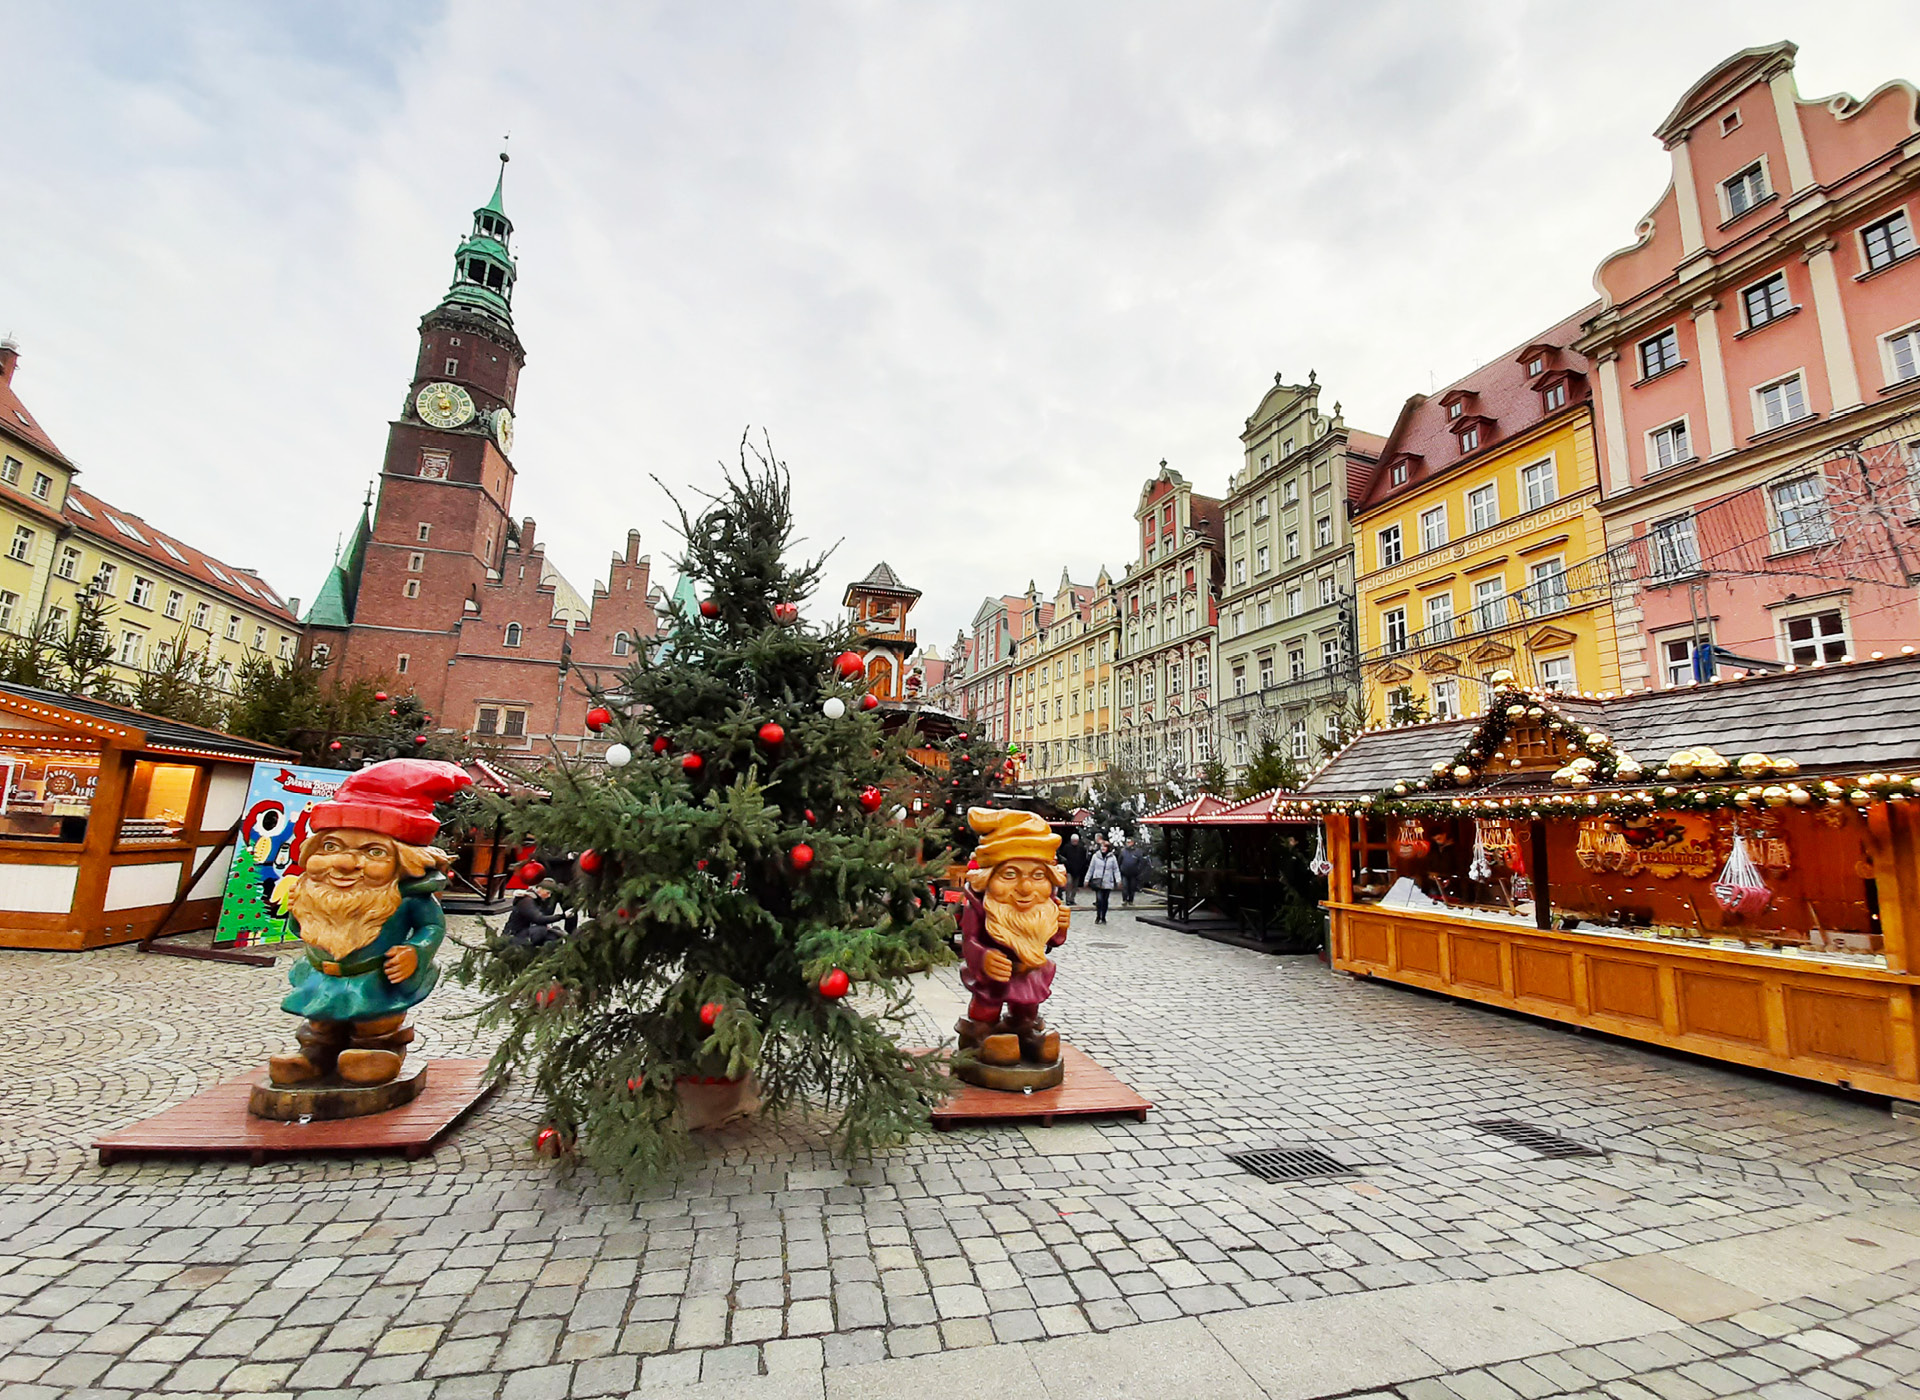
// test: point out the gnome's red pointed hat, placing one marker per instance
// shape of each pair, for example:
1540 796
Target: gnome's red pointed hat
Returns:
394 798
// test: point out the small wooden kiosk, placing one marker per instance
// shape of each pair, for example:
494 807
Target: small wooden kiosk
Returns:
1248 864
1562 856
106 814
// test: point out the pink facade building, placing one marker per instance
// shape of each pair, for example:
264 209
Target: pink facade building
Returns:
1757 355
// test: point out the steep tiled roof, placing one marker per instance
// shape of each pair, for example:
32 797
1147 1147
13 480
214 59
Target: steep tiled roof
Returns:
884 579
1501 391
130 534
16 421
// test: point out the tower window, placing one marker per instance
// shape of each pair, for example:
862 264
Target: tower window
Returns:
513 634
425 530
412 590
453 367
400 665
454 341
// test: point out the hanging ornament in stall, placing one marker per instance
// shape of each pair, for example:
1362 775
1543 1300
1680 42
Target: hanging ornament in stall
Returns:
1320 865
1480 869
1740 890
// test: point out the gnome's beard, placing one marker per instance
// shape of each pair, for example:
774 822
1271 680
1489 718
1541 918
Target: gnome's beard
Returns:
1024 933
338 921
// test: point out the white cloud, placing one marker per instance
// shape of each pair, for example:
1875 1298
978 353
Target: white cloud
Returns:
977 268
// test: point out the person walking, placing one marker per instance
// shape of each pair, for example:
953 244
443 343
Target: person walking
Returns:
1133 864
1103 877
1074 857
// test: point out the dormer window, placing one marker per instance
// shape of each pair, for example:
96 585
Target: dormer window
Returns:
1469 440
1536 365
1555 397
1455 409
1398 475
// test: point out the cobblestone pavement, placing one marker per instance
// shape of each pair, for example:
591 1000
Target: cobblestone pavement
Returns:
1741 1234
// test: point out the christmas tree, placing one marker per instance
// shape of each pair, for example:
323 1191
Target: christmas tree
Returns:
244 914
976 770
740 870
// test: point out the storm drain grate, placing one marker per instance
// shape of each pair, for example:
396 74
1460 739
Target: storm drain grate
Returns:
1534 1139
1289 1163
1106 945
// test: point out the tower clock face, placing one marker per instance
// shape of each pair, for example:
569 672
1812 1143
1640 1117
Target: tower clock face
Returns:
503 430
444 405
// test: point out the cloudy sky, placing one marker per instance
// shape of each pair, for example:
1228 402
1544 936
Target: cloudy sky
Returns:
976 267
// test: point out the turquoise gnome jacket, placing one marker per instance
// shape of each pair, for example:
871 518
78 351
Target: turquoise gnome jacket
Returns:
359 990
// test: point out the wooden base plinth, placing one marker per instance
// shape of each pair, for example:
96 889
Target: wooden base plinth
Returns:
333 1097
217 1123
1085 1091
1012 1079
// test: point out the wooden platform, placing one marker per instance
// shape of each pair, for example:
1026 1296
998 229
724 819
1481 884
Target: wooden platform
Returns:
1087 1092
216 1123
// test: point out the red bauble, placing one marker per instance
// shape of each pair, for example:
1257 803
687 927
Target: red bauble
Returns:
633 1085
548 996
419 738
589 861
962 738
869 701
532 871
623 913
660 744
835 985
393 714
772 735
598 718
334 747
786 612
692 762
379 694
549 1143
871 798
812 820
849 664
709 608
709 1013
801 856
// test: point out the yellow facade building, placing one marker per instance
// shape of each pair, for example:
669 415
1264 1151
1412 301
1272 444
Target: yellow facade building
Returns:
1063 686
1478 541
34 475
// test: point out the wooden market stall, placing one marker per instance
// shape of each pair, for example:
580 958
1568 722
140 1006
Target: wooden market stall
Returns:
1575 858
106 815
1241 872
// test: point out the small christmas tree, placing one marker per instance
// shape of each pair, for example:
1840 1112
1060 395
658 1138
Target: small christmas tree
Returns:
244 913
740 870
976 771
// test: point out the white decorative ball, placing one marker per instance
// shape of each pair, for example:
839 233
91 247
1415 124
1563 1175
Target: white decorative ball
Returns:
619 756
834 708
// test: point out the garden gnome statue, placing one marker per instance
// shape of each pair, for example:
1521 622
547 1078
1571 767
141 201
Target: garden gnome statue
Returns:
1010 920
363 903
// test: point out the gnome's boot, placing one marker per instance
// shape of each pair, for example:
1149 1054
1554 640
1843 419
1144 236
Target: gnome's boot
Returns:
320 1045
1037 1043
377 1050
987 1038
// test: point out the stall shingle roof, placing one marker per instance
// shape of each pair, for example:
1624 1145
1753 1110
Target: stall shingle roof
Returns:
1853 717
161 733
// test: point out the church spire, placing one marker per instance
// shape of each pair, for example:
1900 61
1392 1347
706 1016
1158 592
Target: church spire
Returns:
483 265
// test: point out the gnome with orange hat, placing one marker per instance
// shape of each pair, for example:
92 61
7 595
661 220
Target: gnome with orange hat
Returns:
363 904
1010 920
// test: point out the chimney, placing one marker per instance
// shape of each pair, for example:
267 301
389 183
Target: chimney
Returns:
633 546
293 606
9 357
526 535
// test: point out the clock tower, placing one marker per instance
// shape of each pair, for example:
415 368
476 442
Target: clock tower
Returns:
440 591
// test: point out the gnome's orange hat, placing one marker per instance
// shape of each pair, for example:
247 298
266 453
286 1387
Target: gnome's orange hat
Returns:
394 798
1008 836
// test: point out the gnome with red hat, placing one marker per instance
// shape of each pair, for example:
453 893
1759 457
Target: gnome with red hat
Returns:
363 904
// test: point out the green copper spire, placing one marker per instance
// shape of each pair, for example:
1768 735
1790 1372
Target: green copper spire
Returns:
483 266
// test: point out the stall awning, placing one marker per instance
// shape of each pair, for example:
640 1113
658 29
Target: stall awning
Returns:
1268 809
489 778
126 727
1184 813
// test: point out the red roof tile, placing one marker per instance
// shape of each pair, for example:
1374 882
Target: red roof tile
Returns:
17 422
130 534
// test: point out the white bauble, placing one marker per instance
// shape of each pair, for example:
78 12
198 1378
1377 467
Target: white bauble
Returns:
619 756
834 708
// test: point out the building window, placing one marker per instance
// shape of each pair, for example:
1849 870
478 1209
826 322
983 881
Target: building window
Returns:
1393 629
1260 509
1455 409
1240 747
1800 514
1389 546
1146 685
141 594
1295 598
1547 586
416 561
286 648
1433 527
1261 560
106 579
129 648
1903 355
54 629
22 545
487 722
412 588
1556 397
8 602
1483 507
1398 475
1536 365
259 638
1399 705
1199 673
1298 736
1444 699
1296 663
400 663
1293 544
1290 489
1539 486
69 566
1730 122
1660 353
425 530
1489 603
1329 653
1556 673
1766 300
10 471
622 644
1888 240
202 615
1669 446
1263 612
1440 617
1676 662
1745 190
1326 591
1820 636
513 634
42 486
322 653
1676 552
175 600
1469 441
1323 531
233 627
1266 672
1239 571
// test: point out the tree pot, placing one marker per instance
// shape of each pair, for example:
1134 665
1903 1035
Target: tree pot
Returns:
709 1102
